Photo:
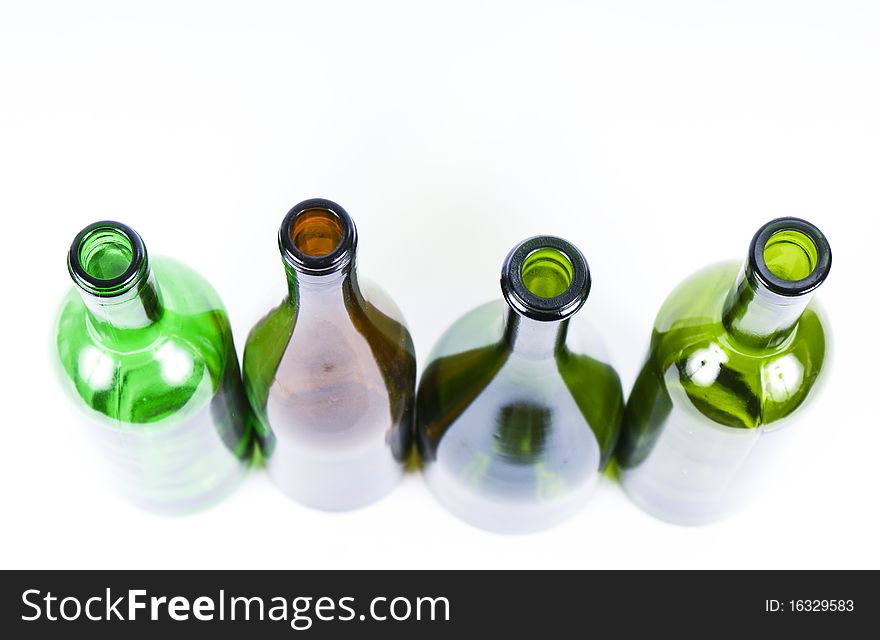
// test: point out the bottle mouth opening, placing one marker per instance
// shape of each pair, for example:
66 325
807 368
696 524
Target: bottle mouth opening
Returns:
545 278
547 272
106 258
790 256
316 232
317 236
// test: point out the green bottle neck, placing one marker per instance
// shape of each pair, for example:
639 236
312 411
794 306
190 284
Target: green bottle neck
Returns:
138 309
534 339
545 281
758 317
109 265
788 259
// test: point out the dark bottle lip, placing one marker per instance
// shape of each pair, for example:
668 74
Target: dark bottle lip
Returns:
110 287
763 276
536 307
325 264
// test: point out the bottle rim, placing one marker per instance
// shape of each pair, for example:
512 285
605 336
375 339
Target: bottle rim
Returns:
764 275
536 307
117 285
326 263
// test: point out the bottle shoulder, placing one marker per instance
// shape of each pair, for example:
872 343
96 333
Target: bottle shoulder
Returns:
699 298
473 371
148 374
322 340
483 326
480 327
173 377
380 300
192 317
184 290
725 380
372 317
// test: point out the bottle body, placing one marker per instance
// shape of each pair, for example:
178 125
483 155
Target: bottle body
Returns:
330 374
729 362
517 415
166 398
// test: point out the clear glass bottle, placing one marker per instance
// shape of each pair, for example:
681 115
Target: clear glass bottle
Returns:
736 350
331 371
146 350
518 409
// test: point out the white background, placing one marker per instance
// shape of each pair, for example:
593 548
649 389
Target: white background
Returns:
656 136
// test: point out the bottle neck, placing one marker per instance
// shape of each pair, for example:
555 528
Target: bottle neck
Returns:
135 309
318 243
335 287
545 280
109 265
756 316
534 339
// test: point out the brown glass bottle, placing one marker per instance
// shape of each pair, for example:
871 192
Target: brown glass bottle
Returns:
330 372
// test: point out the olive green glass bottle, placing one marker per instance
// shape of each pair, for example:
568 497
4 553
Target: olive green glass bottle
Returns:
330 372
146 350
518 409
736 350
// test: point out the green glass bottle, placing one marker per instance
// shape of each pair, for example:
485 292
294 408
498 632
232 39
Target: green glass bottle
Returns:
518 409
331 371
146 350
736 350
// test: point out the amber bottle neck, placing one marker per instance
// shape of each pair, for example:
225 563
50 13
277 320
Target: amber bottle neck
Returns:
342 284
